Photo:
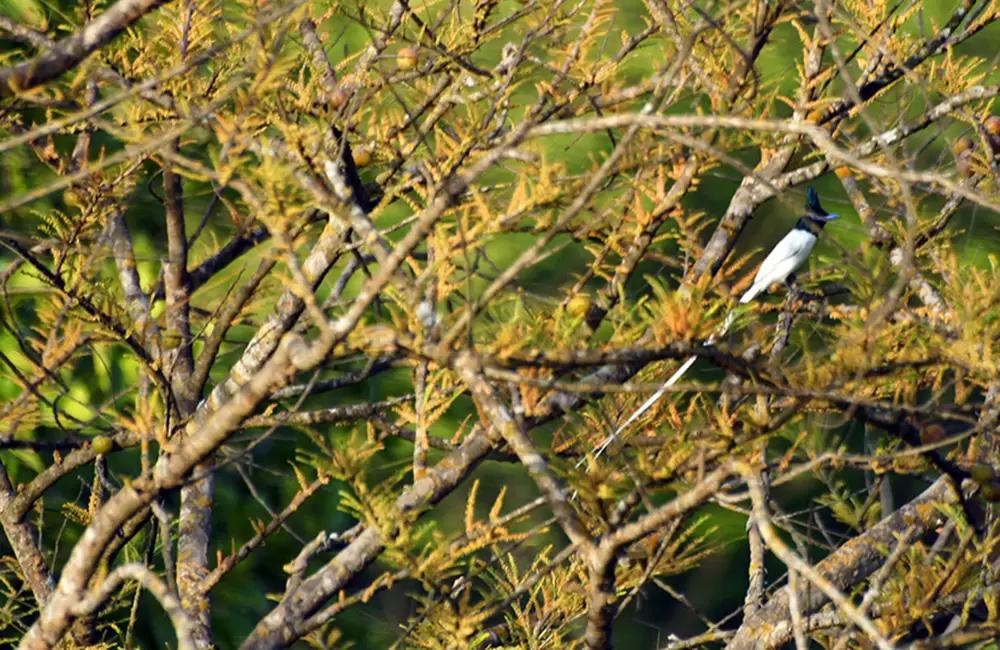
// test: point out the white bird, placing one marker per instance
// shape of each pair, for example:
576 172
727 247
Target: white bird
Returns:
790 253
787 256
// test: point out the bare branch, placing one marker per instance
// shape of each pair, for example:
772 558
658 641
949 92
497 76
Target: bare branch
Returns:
70 52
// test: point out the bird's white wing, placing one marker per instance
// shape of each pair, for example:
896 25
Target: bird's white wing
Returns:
785 257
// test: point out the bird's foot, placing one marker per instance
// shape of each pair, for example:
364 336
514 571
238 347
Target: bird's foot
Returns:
794 291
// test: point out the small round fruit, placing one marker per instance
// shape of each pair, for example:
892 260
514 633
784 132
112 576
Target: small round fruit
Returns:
337 99
362 156
102 444
73 198
406 58
578 306
963 164
931 434
983 473
992 126
962 144
990 492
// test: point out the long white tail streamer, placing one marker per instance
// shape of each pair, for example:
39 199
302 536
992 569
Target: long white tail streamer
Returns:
674 378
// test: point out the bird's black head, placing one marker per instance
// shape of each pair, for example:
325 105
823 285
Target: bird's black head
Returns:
815 216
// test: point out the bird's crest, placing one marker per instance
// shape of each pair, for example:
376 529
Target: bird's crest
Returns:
812 203
814 211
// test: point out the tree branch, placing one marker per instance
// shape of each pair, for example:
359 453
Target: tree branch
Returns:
70 52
